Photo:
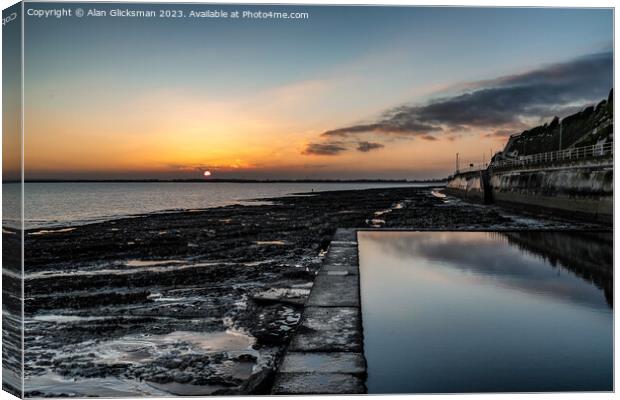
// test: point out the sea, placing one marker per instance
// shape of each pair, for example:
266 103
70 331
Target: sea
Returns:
54 204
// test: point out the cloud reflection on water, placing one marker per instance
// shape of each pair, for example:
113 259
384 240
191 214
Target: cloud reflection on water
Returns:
555 264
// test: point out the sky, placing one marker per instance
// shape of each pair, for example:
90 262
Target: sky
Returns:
349 93
11 99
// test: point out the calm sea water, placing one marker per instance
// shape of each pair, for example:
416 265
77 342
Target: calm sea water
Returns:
453 312
53 204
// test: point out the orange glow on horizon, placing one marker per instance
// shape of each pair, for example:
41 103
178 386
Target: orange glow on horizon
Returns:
174 134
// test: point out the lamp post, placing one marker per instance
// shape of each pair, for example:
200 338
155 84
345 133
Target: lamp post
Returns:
560 135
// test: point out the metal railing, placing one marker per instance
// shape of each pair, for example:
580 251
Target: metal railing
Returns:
595 151
473 168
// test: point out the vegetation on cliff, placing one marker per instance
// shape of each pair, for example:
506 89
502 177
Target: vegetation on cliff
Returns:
590 126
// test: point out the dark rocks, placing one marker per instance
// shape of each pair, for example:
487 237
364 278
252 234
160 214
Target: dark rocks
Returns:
182 377
229 269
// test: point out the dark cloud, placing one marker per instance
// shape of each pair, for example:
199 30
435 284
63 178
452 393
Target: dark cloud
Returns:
323 149
192 167
502 102
392 124
429 138
365 147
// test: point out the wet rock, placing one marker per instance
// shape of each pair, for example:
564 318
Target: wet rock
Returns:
182 378
205 272
246 358
161 378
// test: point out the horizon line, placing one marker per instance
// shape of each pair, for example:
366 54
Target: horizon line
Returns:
231 180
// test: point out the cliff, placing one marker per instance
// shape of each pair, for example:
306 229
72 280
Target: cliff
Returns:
590 126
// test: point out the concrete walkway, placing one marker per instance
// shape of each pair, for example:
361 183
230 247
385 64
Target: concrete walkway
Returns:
326 353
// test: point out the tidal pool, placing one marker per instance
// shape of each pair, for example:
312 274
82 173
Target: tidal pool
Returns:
462 312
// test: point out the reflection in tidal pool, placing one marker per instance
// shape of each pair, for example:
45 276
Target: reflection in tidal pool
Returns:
449 312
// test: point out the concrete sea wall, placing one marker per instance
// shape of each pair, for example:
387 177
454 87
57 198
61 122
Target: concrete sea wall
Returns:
581 190
471 185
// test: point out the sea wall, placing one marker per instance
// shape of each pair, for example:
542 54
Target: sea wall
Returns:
579 190
469 185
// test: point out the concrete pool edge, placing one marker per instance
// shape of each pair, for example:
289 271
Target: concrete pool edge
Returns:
326 353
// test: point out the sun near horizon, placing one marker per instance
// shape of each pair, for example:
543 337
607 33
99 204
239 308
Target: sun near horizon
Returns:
323 98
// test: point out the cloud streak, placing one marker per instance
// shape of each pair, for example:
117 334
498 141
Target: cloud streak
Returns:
323 149
365 147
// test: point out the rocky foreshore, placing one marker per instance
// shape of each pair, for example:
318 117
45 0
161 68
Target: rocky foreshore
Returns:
202 301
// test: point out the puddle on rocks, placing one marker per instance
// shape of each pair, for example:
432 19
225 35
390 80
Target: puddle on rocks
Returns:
174 356
60 319
270 242
151 263
142 348
48 231
136 267
284 295
379 222
438 194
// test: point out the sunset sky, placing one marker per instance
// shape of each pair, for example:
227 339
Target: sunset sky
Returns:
363 92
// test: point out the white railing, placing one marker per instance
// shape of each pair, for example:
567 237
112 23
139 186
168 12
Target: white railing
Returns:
595 151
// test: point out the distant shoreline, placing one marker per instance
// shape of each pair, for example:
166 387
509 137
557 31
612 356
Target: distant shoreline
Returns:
227 181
